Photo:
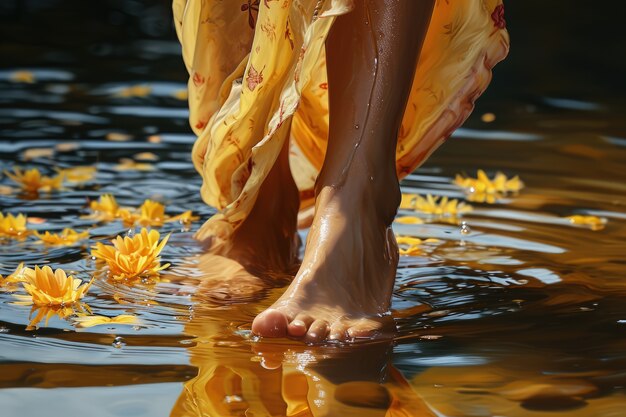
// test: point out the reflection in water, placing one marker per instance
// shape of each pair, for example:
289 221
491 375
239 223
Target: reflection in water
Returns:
522 314
269 378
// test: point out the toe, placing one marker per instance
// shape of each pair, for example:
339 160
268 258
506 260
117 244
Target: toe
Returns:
338 331
270 323
299 326
370 329
317 332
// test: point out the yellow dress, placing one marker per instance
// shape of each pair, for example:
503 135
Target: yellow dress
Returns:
258 78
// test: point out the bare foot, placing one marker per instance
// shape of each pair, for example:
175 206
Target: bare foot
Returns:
343 288
267 241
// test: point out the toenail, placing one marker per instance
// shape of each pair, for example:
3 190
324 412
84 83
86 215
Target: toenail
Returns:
298 323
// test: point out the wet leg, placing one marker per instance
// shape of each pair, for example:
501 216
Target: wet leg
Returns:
266 242
344 285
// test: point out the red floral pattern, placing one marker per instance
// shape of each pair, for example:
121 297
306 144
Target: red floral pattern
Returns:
254 78
198 79
498 17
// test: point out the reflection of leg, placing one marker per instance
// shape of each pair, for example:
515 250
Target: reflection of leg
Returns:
266 241
343 288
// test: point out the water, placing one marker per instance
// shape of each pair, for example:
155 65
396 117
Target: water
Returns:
518 313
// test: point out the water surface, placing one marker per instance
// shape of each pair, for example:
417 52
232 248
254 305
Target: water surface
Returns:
525 315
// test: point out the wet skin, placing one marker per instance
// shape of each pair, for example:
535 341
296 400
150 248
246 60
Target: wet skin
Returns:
343 288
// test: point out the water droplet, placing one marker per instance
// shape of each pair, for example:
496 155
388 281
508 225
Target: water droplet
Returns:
130 232
371 178
356 126
465 229
118 342
4 329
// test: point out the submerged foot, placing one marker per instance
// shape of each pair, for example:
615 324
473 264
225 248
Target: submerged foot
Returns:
343 288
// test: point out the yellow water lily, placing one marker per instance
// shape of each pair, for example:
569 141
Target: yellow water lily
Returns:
78 174
22 76
53 288
67 237
184 218
13 227
34 153
134 91
127 164
181 94
409 246
152 213
593 222
91 321
31 181
485 189
105 208
13 278
436 205
412 246
118 137
436 208
409 220
132 257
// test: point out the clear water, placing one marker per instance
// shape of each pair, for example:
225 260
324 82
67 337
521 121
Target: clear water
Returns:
523 316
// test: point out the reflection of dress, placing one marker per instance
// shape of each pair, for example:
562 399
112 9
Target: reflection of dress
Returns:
258 77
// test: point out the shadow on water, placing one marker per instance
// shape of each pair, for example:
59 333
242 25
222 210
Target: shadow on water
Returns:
520 314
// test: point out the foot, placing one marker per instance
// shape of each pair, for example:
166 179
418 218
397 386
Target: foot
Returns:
344 286
267 241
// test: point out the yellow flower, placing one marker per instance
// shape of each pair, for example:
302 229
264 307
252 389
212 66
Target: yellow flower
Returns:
78 174
412 246
134 91
32 181
23 77
14 278
184 218
593 222
146 156
118 137
441 208
181 94
48 288
13 226
409 220
152 213
128 217
33 153
67 237
134 257
127 164
106 208
90 321
484 189
408 245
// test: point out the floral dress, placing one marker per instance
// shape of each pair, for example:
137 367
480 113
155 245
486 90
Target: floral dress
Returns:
258 78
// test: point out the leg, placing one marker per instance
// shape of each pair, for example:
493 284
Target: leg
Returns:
264 248
266 241
344 285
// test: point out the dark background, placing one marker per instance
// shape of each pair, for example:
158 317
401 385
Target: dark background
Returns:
560 48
